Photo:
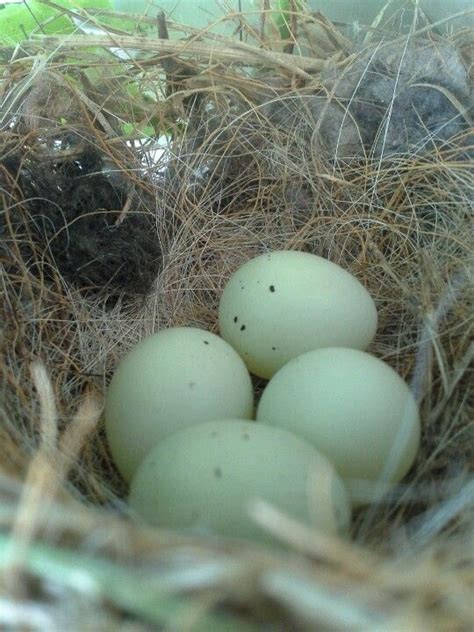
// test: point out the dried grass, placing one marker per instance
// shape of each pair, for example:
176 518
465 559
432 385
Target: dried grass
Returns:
236 183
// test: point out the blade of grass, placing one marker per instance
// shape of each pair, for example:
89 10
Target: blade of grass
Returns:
133 591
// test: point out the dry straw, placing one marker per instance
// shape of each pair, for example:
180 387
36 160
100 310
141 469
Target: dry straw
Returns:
274 145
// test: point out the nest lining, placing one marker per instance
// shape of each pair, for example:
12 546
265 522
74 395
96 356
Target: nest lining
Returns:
99 251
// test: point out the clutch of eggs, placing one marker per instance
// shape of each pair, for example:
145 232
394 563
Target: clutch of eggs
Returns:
179 405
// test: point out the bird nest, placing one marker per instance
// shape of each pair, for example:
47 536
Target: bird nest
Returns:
136 174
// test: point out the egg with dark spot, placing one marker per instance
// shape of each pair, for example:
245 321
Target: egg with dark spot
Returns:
198 480
291 302
172 379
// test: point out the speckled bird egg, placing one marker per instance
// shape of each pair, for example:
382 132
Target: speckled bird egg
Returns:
172 379
203 478
284 303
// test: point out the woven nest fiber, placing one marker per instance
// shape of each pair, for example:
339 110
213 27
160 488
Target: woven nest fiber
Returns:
132 185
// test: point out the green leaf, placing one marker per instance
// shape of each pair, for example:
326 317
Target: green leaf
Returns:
18 21
282 17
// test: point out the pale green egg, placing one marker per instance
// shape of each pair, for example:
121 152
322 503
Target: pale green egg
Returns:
353 408
284 303
172 379
202 479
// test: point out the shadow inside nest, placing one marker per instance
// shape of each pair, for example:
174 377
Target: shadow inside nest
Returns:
98 232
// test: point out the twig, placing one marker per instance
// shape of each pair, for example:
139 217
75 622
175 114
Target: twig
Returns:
238 53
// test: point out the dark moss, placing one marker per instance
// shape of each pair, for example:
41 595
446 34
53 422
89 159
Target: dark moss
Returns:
74 214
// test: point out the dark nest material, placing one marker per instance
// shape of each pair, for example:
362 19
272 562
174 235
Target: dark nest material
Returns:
98 228
359 152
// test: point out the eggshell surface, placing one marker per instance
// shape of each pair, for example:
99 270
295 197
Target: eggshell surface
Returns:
352 407
177 377
284 303
203 478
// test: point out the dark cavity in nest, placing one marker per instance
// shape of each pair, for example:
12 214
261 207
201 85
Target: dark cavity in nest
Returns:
74 213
